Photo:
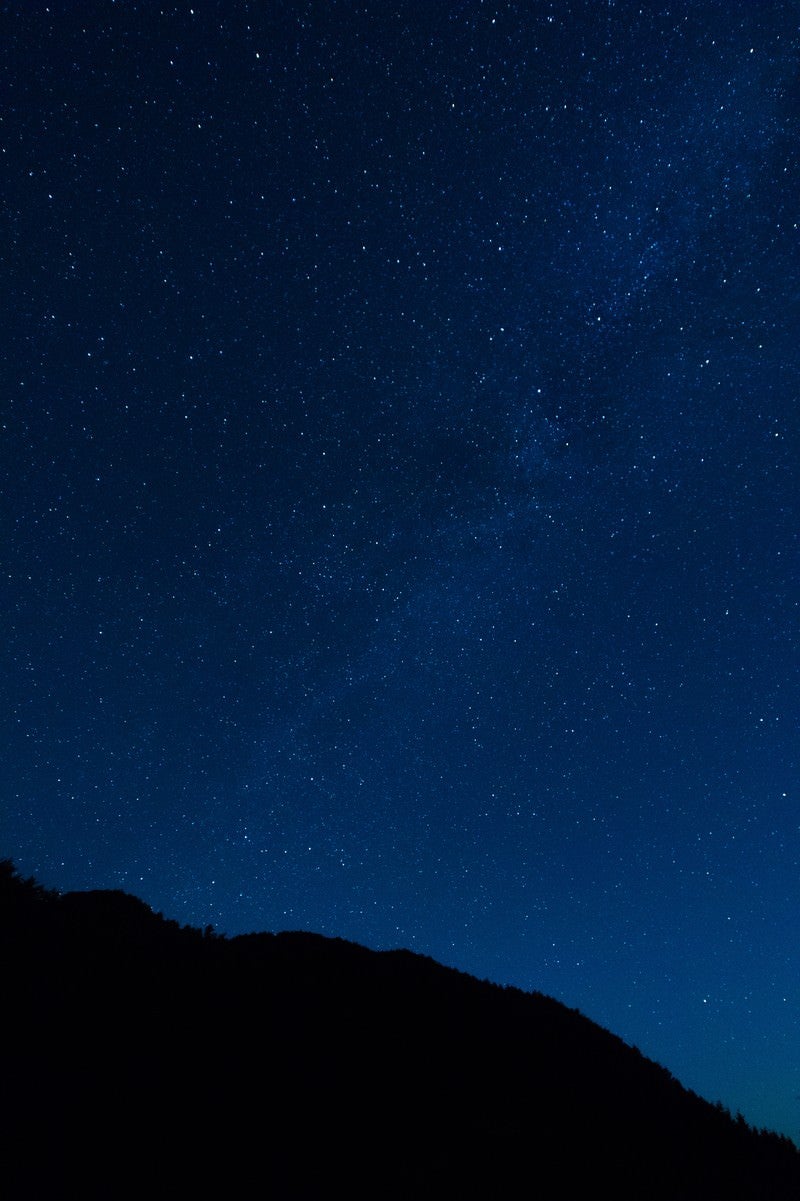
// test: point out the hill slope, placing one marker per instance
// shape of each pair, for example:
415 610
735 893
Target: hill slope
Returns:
146 1059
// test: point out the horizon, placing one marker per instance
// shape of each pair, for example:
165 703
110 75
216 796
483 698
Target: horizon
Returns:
200 926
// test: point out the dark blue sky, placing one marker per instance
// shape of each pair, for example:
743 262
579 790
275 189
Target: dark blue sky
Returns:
400 468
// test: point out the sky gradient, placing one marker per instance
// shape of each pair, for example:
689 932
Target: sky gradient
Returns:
400 474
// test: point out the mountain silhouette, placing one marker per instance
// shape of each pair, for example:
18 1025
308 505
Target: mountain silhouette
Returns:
146 1059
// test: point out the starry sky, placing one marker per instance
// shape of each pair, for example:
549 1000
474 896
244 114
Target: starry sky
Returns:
399 461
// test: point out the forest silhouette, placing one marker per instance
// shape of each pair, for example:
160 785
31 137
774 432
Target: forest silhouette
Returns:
147 1059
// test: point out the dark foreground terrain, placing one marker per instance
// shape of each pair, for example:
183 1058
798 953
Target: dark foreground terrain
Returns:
147 1060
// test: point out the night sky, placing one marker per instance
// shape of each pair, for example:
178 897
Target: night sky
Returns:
399 460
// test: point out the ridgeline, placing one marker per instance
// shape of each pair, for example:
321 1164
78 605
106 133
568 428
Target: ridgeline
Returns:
146 1059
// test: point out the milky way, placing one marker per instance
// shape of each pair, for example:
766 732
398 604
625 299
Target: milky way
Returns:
400 474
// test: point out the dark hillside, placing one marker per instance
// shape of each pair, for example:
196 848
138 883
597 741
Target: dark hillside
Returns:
148 1060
